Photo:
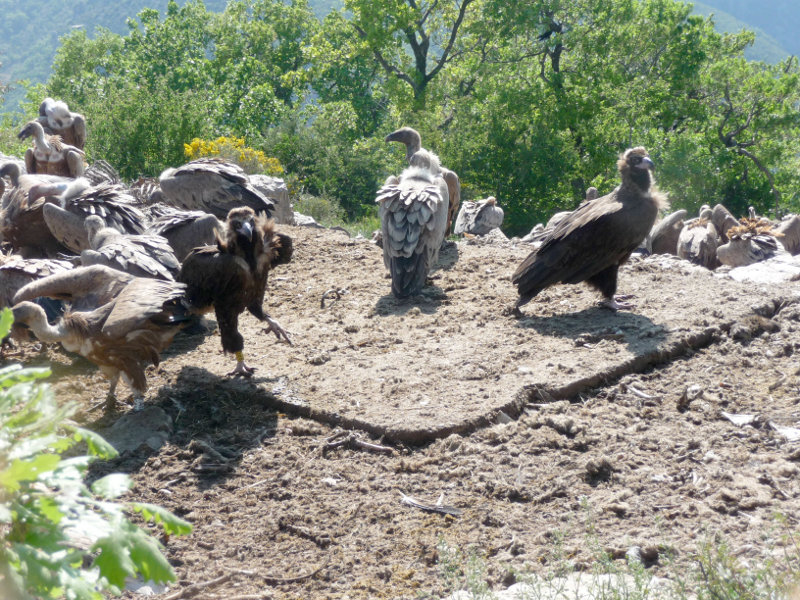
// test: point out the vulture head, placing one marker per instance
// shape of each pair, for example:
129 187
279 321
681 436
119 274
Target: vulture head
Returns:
592 193
635 165
12 171
93 225
33 129
58 115
240 225
409 137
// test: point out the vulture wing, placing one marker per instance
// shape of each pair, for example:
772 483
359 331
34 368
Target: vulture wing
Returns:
144 300
413 222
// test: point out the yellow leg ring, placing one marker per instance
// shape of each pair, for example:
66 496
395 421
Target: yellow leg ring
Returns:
239 356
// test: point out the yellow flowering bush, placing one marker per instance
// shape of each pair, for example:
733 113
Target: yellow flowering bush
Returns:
234 150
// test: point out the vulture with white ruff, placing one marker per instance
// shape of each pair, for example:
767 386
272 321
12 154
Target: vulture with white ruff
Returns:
212 185
57 119
590 243
231 277
50 154
123 336
413 212
413 142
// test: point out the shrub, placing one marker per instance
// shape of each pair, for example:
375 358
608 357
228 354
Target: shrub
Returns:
58 537
233 149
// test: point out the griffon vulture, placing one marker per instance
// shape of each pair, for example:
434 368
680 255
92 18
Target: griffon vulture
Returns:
231 276
413 142
212 185
592 242
17 272
185 230
413 212
50 154
478 218
22 223
57 119
79 199
143 255
123 336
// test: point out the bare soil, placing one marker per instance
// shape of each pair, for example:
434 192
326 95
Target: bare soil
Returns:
568 431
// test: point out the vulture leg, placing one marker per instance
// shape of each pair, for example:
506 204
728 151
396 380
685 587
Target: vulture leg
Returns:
241 370
606 282
274 327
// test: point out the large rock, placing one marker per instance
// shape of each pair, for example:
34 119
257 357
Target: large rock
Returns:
275 188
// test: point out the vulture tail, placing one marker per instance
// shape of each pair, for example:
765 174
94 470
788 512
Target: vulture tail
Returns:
408 274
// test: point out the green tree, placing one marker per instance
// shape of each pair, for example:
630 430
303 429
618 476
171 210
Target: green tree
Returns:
59 538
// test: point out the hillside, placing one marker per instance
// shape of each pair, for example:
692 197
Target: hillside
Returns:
27 49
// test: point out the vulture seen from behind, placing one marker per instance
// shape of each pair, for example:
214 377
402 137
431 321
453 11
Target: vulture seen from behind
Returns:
123 336
590 243
413 142
413 212
231 277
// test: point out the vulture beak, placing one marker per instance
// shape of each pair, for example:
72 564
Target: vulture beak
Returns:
246 229
646 164
24 132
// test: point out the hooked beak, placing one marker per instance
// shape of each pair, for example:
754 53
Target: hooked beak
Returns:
246 229
24 132
646 163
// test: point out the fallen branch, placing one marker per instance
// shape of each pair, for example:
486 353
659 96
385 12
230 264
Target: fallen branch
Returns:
193 589
440 508
270 580
355 442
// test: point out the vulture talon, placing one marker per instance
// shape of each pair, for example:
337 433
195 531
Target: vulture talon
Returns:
280 332
613 304
242 370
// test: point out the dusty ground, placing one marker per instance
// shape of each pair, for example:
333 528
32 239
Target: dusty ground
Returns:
566 432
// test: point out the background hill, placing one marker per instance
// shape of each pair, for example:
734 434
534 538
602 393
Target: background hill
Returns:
27 49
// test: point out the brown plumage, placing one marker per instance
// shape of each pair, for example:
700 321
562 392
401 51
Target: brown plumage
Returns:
231 276
185 230
17 272
591 242
123 336
50 154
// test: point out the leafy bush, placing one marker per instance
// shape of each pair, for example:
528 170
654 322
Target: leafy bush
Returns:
58 538
233 149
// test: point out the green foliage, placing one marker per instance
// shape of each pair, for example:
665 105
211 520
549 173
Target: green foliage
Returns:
58 538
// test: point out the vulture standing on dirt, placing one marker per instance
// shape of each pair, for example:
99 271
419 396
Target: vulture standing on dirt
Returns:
596 238
142 255
123 336
231 277
57 119
413 142
413 212
478 218
212 185
50 154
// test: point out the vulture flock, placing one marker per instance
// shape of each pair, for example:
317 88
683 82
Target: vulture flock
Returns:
114 272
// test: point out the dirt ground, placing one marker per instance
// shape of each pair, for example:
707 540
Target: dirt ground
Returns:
566 432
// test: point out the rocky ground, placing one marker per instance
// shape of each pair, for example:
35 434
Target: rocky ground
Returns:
541 442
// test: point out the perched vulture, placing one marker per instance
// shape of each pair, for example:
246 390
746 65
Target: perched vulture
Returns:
50 154
231 276
753 240
212 185
479 218
413 142
123 336
16 272
143 255
413 212
592 242
79 199
22 222
185 230
57 119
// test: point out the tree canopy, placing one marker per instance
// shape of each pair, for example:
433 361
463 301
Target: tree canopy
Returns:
528 101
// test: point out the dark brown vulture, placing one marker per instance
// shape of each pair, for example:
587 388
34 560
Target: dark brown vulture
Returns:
57 119
212 185
592 241
143 255
231 277
413 142
123 336
413 212
50 154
